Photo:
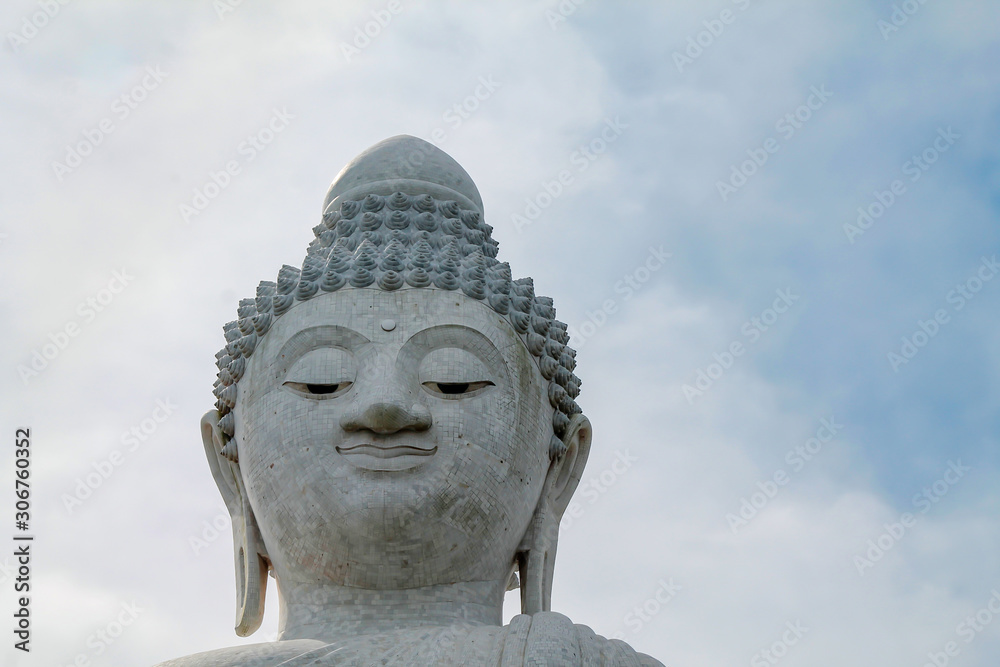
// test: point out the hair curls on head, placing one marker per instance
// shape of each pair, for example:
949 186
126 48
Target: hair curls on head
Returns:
399 241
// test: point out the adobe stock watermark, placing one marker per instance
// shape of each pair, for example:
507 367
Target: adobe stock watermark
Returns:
424 490
454 117
462 111
596 485
7 571
967 630
580 161
210 530
914 168
922 502
121 109
224 7
787 126
704 39
99 641
365 34
899 17
629 284
752 331
59 340
958 297
563 10
34 23
779 648
248 150
642 614
131 440
767 490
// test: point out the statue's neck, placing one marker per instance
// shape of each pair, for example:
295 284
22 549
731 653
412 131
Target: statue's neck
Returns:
329 613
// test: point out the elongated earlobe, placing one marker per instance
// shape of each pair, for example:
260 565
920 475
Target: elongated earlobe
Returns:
536 556
251 555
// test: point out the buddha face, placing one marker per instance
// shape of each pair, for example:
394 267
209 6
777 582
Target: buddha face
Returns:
392 439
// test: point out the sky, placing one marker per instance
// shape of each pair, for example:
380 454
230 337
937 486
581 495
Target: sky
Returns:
772 228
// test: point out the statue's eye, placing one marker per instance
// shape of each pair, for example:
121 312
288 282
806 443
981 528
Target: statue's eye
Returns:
318 389
322 388
454 373
456 388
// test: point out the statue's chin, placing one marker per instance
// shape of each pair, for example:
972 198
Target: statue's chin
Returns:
381 547
403 528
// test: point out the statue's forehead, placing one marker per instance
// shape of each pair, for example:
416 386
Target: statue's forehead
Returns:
392 317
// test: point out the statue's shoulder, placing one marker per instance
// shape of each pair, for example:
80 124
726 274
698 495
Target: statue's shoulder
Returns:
549 638
546 638
249 655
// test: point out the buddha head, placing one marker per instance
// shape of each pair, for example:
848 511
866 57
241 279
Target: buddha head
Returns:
398 413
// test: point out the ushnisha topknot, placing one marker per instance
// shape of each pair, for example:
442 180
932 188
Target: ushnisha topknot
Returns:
404 215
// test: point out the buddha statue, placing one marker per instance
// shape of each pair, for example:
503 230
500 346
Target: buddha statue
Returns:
396 438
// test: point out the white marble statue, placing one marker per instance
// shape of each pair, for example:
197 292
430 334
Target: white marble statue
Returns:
396 438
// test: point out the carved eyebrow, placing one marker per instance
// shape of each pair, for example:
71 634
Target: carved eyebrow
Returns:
469 340
325 335
313 338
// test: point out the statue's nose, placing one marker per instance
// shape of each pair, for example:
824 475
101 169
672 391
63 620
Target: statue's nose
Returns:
386 417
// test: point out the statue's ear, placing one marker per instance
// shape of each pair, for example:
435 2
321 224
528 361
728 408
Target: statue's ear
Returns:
223 471
251 556
567 470
536 557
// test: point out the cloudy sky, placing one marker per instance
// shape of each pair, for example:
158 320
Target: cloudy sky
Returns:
775 239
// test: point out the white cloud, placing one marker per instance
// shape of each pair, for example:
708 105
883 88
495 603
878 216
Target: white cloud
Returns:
666 517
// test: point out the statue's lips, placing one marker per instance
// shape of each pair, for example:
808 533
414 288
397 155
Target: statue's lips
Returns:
386 452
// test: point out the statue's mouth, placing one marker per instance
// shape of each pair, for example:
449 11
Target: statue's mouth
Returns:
379 452
386 458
